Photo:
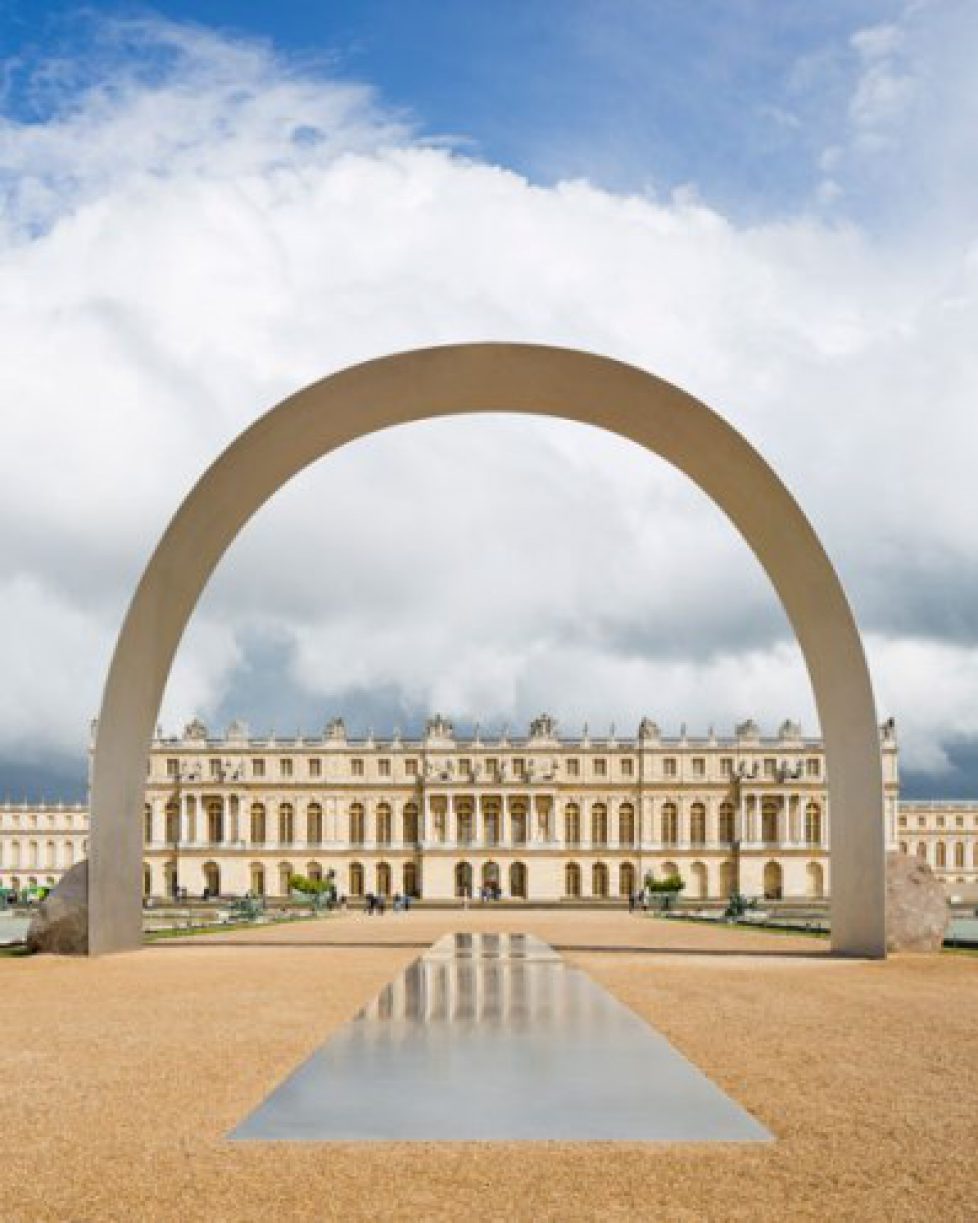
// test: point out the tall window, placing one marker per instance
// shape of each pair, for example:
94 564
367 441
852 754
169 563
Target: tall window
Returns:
626 824
173 769
599 879
769 821
148 824
697 824
941 856
518 821
572 879
357 830
258 827
599 824
215 821
286 824
813 824
314 824
572 824
315 767
670 824
411 824
384 824
726 826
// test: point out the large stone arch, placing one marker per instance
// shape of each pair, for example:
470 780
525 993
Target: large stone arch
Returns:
460 379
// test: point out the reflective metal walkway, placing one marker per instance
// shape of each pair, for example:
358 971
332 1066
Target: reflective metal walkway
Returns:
493 1038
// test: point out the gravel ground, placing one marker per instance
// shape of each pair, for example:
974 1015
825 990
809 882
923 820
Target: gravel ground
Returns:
122 1075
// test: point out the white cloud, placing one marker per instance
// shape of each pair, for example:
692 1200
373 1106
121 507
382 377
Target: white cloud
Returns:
182 251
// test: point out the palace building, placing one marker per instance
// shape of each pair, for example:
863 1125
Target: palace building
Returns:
540 818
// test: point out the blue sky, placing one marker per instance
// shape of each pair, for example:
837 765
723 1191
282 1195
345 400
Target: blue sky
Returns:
205 206
733 96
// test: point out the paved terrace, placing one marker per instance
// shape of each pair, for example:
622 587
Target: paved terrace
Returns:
123 1076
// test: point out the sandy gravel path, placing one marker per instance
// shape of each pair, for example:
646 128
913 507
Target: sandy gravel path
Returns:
122 1075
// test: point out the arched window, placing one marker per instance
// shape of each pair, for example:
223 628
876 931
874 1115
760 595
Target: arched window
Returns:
816 880
357 831
769 821
626 828
15 854
314 824
518 823
147 880
384 827
314 872
147 825
285 872
772 881
725 830
813 824
170 879
490 875
69 855
698 876
904 847
410 819
697 824
383 879
286 824
258 825
517 881
463 880
670 824
49 854
599 824
215 821
32 856
572 828
410 875
959 854
941 854
356 879
626 879
572 879
922 850
599 879
172 822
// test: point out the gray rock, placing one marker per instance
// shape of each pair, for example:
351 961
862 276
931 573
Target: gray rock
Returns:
60 924
916 905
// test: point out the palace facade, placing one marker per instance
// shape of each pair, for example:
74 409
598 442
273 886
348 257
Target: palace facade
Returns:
540 817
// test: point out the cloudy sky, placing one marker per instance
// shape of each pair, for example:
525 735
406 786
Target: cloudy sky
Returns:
205 206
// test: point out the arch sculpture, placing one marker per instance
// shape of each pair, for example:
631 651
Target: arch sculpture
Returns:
461 379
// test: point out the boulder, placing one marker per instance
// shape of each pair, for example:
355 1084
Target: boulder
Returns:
61 921
916 905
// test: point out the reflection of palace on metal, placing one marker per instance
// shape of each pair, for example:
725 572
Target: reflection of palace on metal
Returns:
493 1038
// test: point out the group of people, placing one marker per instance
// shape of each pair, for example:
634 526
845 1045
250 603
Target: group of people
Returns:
377 904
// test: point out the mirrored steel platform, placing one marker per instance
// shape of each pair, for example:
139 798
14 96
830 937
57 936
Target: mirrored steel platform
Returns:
494 1038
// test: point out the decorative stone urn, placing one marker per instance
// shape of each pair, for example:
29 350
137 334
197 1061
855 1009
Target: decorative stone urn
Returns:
916 905
61 922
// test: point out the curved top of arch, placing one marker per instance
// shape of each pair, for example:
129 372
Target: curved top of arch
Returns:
491 377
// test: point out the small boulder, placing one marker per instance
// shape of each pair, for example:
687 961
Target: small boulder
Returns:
60 924
916 905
